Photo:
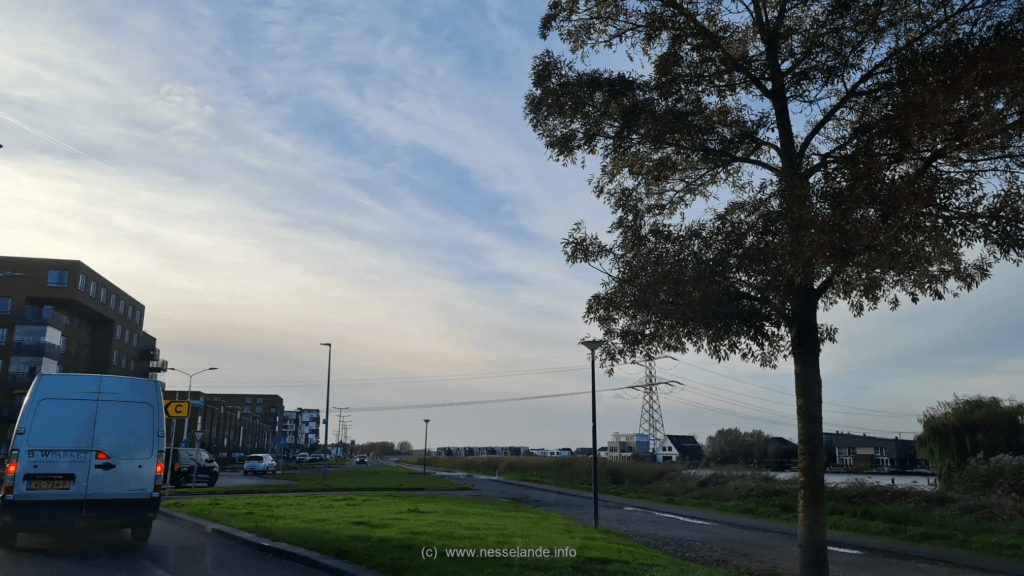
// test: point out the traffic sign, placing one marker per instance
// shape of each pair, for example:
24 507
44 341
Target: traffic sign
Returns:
177 409
198 435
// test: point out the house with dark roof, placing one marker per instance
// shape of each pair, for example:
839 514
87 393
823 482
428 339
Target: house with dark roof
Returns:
782 454
679 449
846 450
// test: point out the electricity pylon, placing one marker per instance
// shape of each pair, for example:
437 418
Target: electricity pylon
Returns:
651 422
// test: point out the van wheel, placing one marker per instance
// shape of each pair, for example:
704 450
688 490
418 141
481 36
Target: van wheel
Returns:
212 481
180 482
141 532
8 538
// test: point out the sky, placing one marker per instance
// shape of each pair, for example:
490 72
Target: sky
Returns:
268 176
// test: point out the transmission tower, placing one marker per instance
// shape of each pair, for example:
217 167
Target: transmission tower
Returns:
651 422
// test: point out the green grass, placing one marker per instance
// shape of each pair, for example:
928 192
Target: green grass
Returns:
392 478
390 533
978 524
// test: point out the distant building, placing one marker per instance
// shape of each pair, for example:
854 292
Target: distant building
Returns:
846 450
63 316
782 454
227 426
624 446
301 429
679 449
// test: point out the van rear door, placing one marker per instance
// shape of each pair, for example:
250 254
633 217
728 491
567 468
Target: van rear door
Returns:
124 443
58 441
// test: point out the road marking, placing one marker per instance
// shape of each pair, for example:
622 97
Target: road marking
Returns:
845 550
683 518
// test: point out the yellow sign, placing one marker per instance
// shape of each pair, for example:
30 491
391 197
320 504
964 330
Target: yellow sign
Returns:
177 409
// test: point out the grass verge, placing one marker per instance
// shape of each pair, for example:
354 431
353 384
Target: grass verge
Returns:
391 533
981 525
392 478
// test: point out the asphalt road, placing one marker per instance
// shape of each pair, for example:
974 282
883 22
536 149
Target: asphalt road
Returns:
176 548
738 544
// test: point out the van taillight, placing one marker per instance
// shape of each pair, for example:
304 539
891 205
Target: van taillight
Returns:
101 455
158 480
9 472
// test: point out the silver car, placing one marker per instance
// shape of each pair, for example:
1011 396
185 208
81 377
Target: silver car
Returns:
259 464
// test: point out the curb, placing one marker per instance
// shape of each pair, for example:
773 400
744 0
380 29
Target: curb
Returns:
279 549
952 557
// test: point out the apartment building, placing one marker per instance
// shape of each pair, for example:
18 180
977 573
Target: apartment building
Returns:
227 427
63 316
300 428
624 446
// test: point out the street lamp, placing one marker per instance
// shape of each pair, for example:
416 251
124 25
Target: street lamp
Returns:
188 398
593 345
327 407
426 424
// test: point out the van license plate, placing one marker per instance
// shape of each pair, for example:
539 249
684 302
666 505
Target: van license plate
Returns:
50 485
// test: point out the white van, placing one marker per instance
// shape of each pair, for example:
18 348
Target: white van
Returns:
87 452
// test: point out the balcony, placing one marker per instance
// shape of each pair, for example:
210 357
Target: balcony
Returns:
36 350
20 381
33 316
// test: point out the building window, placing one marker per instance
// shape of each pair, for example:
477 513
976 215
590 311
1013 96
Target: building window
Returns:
113 301
248 400
881 451
57 278
92 289
85 352
132 365
117 357
124 361
5 304
127 335
135 340
259 409
120 308
103 295
247 409
63 344
259 400
3 336
138 316
118 332
273 410
130 310
81 282
74 350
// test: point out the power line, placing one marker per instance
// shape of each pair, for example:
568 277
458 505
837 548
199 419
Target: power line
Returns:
477 402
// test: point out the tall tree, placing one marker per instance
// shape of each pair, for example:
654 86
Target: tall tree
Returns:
957 430
847 151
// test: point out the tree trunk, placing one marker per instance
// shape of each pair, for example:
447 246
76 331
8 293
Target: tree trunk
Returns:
812 538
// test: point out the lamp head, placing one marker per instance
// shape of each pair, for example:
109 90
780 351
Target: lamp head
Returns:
328 344
426 419
592 344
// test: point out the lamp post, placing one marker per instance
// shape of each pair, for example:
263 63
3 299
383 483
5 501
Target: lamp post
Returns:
426 424
327 406
188 398
593 345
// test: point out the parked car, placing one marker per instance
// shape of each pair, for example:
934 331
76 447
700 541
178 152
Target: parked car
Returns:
361 459
183 461
302 458
259 464
86 452
315 458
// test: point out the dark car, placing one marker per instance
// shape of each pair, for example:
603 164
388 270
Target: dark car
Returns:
183 461
361 459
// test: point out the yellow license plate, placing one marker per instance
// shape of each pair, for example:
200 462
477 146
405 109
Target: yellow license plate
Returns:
49 485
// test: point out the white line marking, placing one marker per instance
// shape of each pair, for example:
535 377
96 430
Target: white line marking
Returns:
683 518
846 550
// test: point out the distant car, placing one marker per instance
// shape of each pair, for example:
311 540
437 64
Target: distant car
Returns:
361 459
315 458
259 464
183 461
302 458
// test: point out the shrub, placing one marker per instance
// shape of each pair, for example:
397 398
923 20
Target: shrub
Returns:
1000 476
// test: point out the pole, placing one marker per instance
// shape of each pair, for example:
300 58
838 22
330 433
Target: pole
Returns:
593 424
327 407
426 425
188 398
593 345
